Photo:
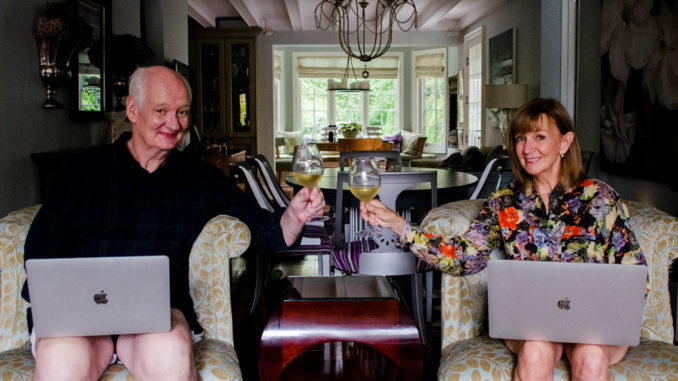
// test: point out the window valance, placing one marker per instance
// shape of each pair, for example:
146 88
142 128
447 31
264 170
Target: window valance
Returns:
384 67
430 65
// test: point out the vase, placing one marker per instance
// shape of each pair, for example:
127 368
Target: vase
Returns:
54 70
350 134
120 90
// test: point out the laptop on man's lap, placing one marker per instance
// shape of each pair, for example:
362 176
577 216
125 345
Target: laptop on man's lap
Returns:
99 296
566 302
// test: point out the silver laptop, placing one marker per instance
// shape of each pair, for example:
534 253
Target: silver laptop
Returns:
99 296
566 302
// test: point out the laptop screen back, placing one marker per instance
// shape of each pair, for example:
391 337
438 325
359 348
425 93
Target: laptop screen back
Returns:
566 302
99 296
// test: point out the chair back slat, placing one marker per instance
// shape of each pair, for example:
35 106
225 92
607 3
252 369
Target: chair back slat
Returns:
248 172
270 180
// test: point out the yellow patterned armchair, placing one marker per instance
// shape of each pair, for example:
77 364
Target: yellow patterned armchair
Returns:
469 354
222 238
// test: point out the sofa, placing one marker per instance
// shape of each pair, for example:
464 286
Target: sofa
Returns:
469 353
222 238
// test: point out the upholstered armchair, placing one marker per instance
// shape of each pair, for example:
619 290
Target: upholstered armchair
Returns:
222 238
469 353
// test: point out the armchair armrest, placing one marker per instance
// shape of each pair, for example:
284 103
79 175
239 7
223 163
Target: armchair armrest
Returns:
222 238
463 298
13 230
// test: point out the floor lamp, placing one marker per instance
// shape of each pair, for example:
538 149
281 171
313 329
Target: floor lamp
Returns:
507 98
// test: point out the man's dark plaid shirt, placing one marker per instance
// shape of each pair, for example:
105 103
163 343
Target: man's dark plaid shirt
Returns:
105 204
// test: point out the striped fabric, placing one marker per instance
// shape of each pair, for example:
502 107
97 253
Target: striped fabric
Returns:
325 247
347 258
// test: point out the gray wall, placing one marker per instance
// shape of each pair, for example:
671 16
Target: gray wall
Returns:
29 128
525 17
26 126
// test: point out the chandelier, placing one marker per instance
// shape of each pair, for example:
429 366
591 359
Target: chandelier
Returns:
365 32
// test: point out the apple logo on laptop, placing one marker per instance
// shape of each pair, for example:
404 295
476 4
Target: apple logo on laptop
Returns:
564 304
100 298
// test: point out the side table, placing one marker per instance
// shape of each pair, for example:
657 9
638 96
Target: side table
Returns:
361 309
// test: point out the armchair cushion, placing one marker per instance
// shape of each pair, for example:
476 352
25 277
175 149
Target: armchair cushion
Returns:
469 353
222 238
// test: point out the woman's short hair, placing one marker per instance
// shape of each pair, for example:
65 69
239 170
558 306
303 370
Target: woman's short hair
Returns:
571 170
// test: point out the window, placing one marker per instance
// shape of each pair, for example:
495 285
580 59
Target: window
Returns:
319 107
348 107
313 104
382 105
431 93
433 108
473 53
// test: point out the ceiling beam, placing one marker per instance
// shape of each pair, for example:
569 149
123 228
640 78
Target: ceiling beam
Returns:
248 11
293 14
476 14
200 16
434 12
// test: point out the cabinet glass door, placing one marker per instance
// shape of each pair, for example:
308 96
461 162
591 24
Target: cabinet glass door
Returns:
210 90
241 110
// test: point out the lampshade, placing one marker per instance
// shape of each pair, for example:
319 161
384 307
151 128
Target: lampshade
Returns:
505 96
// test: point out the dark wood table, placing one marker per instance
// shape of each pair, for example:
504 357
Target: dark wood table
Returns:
359 309
452 186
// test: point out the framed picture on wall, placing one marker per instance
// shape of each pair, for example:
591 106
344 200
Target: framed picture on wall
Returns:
502 53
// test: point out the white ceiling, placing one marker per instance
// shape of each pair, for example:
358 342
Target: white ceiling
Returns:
298 15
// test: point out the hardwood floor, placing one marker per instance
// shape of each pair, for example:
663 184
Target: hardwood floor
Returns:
331 361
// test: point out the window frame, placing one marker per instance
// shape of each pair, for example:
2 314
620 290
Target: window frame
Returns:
418 104
331 100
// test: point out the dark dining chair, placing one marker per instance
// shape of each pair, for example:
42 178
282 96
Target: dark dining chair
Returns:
311 232
278 196
379 255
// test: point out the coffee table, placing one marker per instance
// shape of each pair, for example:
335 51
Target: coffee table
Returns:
361 309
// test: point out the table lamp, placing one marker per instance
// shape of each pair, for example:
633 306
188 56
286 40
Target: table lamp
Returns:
507 98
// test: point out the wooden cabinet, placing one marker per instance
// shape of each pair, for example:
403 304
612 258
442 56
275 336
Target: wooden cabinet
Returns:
225 88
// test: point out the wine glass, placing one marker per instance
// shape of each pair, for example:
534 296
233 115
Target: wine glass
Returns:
307 168
364 182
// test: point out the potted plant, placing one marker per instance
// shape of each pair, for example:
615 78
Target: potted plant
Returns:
350 130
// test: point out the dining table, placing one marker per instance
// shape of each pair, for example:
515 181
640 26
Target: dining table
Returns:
452 186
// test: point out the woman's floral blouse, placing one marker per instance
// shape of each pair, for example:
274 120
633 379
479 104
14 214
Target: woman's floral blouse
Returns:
588 224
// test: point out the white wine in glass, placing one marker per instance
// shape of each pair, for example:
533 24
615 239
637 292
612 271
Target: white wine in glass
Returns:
364 194
364 182
307 168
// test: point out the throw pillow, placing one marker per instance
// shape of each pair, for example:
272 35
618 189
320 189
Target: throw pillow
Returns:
409 146
292 138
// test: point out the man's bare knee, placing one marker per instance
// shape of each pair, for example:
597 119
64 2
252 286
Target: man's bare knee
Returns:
166 356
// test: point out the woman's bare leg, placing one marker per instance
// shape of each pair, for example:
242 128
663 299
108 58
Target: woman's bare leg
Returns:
592 362
536 359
